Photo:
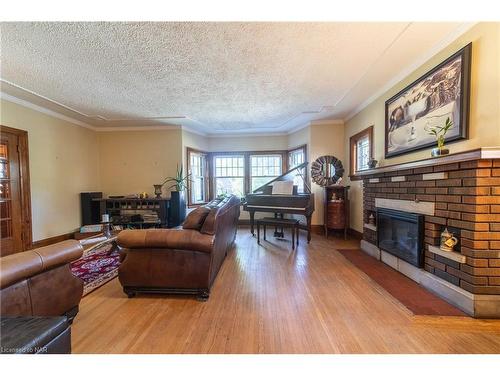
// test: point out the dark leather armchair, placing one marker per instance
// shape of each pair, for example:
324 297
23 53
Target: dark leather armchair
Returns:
179 261
39 282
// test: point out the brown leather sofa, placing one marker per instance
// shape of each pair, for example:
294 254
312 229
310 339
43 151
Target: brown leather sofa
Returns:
39 282
180 261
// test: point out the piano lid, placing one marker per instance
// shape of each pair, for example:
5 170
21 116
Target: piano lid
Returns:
299 170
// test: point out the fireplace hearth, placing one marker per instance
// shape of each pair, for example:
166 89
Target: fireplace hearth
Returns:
459 191
401 234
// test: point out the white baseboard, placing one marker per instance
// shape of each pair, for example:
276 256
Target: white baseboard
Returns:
370 249
449 292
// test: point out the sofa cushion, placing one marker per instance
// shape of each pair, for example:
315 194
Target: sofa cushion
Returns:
19 266
59 253
182 239
26 264
196 218
209 224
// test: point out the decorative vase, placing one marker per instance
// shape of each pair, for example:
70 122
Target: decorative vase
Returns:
439 151
177 210
158 190
372 163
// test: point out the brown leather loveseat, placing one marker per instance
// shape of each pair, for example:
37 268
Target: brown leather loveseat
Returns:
180 261
39 282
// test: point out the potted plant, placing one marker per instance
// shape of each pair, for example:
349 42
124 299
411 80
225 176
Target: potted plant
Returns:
439 132
177 211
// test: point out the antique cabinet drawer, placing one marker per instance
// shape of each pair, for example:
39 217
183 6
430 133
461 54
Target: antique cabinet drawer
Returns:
336 208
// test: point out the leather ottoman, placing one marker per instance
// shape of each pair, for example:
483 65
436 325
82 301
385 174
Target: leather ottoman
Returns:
35 335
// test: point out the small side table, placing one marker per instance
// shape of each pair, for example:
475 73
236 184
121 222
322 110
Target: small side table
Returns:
288 223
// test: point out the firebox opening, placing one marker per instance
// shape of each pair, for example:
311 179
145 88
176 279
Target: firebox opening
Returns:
401 234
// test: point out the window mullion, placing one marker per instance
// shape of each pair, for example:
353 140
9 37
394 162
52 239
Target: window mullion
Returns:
246 173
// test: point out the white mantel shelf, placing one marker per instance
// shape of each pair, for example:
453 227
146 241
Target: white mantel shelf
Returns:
453 255
480 153
370 226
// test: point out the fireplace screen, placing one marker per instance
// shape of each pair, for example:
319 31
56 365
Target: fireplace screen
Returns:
401 234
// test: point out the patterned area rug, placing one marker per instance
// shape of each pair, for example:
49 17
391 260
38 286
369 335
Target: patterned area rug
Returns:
416 298
97 267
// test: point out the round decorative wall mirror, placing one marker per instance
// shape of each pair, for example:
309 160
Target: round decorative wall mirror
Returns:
327 170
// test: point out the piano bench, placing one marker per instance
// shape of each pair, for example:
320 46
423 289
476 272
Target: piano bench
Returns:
277 222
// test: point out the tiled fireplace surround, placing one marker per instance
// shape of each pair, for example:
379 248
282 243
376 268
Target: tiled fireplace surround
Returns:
462 192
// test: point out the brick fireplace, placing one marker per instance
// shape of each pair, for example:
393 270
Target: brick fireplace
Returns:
460 192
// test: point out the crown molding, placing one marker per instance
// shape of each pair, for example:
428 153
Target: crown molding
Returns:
40 96
185 128
315 123
99 129
327 122
411 68
298 128
26 104
136 128
247 134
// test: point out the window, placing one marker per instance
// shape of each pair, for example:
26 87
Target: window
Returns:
264 168
362 153
198 184
239 173
361 150
229 174
296 157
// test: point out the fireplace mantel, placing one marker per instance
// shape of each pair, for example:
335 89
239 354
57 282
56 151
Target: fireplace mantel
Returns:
460 192
476 154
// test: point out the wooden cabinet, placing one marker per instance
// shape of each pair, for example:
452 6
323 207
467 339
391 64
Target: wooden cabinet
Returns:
336 209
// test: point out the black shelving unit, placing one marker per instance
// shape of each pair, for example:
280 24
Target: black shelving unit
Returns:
129 212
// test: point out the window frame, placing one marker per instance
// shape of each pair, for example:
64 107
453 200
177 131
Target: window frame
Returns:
210 178
288 167
206 177
283 166
301 147
353 141
214 155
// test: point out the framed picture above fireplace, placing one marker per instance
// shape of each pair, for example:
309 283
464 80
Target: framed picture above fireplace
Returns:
440 93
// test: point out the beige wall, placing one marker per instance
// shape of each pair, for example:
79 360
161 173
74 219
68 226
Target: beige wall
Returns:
326 139
132 161
64 161
299 138
248 143
192 140
484 106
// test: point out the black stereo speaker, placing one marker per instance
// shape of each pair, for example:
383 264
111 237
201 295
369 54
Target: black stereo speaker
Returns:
90 208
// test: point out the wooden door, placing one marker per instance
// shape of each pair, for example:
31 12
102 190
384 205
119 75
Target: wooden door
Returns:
15 210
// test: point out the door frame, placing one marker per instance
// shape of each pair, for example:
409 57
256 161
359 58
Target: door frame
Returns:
24 180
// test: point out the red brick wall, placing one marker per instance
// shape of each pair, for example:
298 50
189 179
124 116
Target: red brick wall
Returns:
467 200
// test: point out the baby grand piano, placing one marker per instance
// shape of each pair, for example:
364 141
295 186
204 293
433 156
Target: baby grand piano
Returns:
262 199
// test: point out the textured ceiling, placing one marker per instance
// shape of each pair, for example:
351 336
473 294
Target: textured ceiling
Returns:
210 77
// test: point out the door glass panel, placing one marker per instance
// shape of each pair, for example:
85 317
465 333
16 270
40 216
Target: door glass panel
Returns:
5 203
6 230
4 189
4 209
4 170
3 151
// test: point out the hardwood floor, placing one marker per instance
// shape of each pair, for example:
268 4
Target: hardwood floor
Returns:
269 299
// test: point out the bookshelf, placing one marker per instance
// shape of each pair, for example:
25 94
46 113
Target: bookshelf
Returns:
136 212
